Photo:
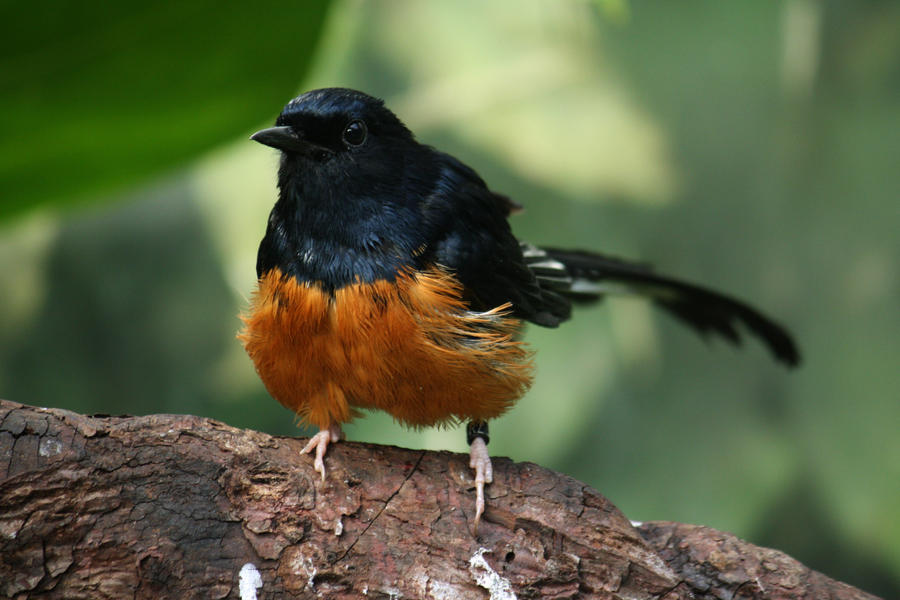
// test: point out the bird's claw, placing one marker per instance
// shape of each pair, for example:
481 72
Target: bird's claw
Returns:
320 442
480 460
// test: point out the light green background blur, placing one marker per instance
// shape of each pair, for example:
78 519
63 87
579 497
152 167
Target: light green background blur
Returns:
753 146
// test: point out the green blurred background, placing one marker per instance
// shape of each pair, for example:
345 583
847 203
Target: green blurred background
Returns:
753 146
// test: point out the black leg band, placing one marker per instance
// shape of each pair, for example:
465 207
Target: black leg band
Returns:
477 429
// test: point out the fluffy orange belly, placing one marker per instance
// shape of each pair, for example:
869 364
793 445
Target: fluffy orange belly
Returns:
410 348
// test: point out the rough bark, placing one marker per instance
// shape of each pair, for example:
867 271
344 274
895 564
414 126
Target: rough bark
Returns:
171 506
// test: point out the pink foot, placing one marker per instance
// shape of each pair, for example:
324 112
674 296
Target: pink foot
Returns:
484 473
320 442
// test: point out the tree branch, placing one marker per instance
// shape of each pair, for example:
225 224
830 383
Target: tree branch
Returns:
171 506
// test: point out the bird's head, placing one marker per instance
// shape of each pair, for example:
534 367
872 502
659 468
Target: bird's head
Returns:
339 137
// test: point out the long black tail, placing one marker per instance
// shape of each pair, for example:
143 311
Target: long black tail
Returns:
586 276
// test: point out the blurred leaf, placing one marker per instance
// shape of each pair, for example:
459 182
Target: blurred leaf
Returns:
617 11
98 95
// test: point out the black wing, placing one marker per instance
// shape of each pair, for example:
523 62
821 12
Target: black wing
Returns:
471 236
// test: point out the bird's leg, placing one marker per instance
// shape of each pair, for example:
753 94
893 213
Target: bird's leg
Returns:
480 460
320 442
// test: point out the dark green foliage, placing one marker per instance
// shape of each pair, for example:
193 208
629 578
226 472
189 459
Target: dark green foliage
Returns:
96 96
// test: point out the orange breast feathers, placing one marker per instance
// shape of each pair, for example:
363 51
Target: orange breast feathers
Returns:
410 347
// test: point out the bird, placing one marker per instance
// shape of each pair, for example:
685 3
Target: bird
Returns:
389 278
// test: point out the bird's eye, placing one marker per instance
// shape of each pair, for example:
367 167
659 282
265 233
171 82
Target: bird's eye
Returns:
355 133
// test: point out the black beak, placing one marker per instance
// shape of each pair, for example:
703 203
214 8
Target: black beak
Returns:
282 138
